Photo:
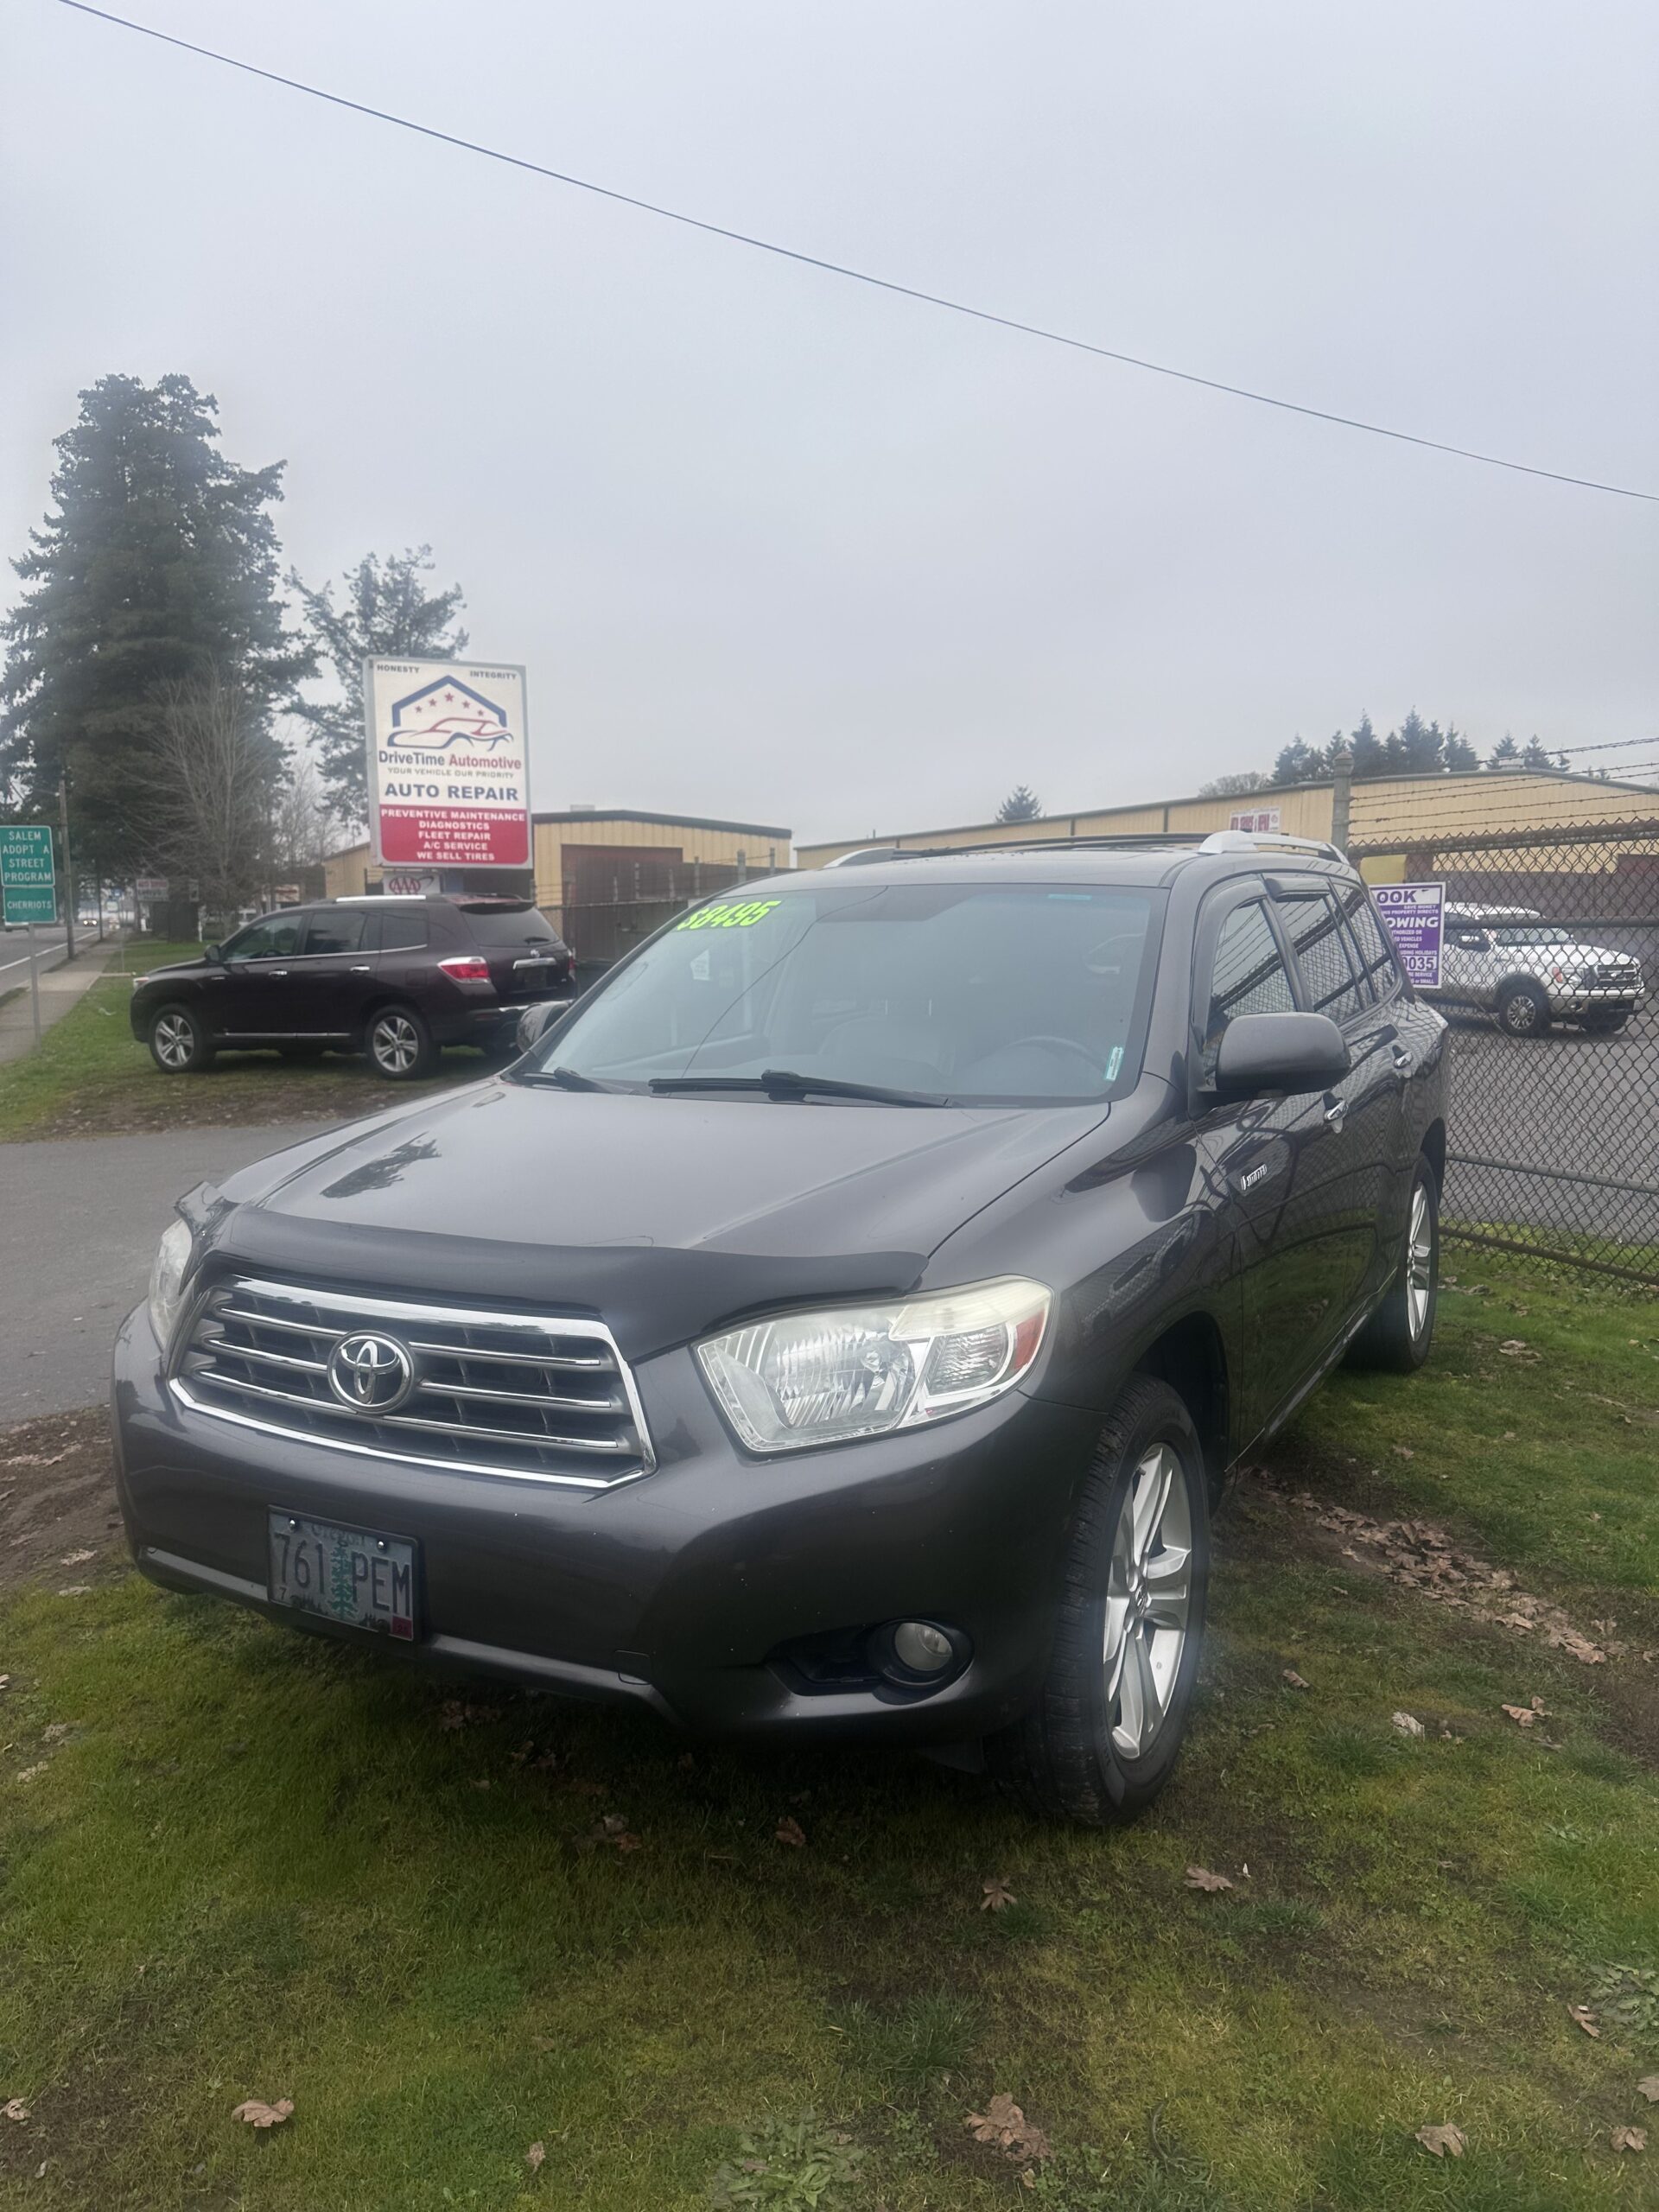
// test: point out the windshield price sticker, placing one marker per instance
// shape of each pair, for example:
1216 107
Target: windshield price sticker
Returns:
729 917
1413 914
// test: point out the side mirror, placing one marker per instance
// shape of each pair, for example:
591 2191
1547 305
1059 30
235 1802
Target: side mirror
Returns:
212 952
536 1020
1280 1056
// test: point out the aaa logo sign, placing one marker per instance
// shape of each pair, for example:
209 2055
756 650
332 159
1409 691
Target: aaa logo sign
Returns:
449 763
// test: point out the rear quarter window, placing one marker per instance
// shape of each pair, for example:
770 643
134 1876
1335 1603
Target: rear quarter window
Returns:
400 933
500 926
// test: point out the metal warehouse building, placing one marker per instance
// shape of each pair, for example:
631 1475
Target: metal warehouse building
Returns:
604 877
1396 823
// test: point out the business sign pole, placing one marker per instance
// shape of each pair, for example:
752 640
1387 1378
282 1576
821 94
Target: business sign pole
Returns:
1414 916
448 764
29 892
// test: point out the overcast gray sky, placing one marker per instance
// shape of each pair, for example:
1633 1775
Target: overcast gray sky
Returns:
777 546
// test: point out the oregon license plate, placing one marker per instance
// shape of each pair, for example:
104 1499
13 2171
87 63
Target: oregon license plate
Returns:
345 1574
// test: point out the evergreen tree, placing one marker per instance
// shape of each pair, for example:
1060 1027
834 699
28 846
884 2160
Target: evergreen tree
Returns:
1299 763
387 613
1367 747
1536 755
1504 753
157 566
1461 758
1020 805
1414 749
1240 784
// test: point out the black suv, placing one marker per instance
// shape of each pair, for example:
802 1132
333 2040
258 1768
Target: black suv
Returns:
840 1321
396 978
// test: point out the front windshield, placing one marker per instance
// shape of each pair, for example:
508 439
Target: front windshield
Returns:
976 994
1535 933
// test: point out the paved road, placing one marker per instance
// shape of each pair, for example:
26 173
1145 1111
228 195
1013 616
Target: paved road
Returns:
82 1218
14 953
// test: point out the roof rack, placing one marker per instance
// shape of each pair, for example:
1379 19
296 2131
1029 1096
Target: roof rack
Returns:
1218 841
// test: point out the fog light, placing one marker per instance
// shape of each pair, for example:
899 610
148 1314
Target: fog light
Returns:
921 1648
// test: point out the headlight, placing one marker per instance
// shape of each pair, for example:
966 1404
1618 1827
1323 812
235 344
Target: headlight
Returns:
861 1370
167 1280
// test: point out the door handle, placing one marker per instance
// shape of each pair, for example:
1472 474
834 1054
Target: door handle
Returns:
364 970
1402 1060
1335 1113
277 971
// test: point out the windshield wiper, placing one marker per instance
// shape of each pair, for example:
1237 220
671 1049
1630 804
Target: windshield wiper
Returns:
566 1078
784 1083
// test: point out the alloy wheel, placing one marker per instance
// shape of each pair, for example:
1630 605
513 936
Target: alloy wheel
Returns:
1149 1601
1521 1013
394 1044
175 1040
1419 1262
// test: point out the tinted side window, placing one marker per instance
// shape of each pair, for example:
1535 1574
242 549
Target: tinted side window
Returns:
1322 955
338 932
398 931
1249 974
499 926
1375 953
276 935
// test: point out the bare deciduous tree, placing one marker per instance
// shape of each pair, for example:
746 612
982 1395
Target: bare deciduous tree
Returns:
300 819
219 771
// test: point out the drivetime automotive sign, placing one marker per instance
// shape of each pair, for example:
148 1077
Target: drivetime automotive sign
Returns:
1413 914
449 763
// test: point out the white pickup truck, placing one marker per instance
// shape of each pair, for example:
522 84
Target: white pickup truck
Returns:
1510 962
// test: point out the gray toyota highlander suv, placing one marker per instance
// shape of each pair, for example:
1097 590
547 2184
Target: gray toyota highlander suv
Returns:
840 1322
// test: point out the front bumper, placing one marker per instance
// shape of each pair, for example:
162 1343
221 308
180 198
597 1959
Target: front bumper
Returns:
672 1591
1566 998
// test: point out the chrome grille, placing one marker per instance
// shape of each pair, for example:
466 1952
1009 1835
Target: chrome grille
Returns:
536 1397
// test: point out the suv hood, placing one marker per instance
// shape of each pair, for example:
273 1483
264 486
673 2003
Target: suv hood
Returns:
665 1215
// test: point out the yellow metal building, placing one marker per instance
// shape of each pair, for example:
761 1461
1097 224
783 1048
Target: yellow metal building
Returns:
585 853
1391 818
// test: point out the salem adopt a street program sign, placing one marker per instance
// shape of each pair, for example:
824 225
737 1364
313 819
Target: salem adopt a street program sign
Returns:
28 881
1414 916
449 763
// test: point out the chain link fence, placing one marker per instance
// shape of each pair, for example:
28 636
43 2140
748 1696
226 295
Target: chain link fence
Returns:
1550 980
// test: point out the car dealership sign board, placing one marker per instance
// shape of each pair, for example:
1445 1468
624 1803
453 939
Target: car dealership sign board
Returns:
449 763
1415 915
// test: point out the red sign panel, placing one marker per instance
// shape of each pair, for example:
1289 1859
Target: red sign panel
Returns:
449 767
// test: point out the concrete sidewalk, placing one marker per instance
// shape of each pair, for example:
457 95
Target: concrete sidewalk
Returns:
60 987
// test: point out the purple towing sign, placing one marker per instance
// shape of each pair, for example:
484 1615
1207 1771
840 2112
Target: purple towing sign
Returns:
1413 915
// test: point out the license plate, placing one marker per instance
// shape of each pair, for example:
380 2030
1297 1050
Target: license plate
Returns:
345 1574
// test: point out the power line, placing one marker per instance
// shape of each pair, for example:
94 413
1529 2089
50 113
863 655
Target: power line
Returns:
1607 745
857 276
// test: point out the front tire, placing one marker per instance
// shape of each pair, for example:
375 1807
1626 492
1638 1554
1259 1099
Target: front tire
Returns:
1606 1021
1398 1336
179 1043
1523 1010
1103 1739
399 1043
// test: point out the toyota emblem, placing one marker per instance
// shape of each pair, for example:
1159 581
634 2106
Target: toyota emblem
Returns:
371 1374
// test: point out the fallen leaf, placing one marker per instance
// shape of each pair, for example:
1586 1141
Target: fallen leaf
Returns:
1407 1724
612 1824
534 2155
790 1830
75 1590
5 1681
15 2110
1630 2138
627 1840
1523 1715
29 1773
1582 2017
1649 2089
1295 1680
1405 1451
76 1559
259 2114
1003 2124
56 1730
1200 1878
1439 2140
997 1894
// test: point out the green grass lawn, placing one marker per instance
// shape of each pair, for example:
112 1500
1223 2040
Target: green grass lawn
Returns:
90 1076
255 1865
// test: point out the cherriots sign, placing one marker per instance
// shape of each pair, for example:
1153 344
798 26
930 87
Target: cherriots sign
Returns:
449 763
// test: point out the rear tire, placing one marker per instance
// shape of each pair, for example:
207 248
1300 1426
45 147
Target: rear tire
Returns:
1103 1735
1398 1337
399 1043
1606 1022
179 1043
1523 1010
